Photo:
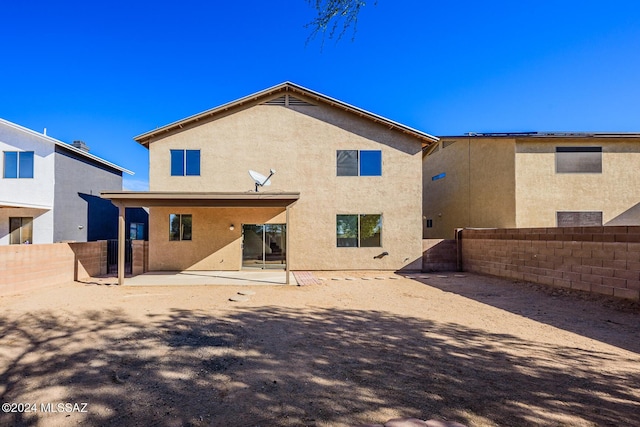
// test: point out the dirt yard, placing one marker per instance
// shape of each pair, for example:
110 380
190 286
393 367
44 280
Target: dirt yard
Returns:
476 350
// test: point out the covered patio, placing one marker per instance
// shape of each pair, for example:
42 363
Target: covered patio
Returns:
163 199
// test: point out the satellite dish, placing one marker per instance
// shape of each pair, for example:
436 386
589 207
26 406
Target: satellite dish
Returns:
260 179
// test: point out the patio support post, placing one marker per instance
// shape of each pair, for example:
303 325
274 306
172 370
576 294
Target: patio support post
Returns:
286 254
121 243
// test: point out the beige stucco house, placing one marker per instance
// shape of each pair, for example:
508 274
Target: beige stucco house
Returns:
531 180
346 193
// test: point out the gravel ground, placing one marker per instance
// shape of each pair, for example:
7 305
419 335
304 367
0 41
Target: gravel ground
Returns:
476 350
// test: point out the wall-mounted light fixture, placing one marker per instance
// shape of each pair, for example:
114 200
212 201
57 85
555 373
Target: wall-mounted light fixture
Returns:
232 227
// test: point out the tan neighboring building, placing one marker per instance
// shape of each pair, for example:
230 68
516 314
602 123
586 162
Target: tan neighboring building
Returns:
346 193
531 180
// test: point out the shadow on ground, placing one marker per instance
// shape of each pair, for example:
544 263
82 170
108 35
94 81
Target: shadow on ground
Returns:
276 366
606 319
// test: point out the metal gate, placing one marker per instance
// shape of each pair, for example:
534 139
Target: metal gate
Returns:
112 257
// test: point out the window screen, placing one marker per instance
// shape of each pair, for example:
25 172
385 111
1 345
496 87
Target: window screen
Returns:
359 162
578 159
347 162
579 219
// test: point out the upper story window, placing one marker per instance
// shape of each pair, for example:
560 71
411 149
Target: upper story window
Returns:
578 159
18 164
359 162
185 162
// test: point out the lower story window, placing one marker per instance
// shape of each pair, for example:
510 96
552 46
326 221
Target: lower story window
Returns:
179 227
20 230
136 231
363 230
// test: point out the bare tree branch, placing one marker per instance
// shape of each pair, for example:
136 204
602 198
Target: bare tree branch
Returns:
334 18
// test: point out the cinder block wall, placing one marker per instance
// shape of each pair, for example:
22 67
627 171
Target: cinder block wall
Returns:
140 257
91 259
439 255
602 260
27 267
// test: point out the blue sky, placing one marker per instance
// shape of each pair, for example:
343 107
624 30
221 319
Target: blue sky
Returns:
104 72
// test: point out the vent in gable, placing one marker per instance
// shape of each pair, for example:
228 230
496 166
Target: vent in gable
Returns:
298 102
288 100
277 101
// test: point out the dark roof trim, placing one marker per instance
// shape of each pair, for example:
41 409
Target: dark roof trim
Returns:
145 138
547 135
200 199
66 146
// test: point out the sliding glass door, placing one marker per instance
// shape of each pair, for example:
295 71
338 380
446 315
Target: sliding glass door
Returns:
264 246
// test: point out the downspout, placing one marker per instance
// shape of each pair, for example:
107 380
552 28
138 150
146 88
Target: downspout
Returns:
459 249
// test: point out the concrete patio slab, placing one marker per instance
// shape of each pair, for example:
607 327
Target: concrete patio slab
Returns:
190 278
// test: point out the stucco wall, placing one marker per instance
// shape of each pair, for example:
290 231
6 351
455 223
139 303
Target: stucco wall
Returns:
42 224
478 189
541 192
36 192
32 196
80 213
213 246
300 143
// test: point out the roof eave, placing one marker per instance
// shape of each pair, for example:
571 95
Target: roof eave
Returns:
145 138
65 146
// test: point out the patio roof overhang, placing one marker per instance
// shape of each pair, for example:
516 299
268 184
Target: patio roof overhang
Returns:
131 199
137 199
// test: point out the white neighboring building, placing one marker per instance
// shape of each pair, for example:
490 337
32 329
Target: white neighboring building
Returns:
49 190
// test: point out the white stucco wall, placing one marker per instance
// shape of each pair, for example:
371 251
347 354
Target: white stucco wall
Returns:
27 197
42 224
36 192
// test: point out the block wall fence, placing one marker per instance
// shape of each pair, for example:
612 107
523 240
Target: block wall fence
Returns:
27 267
602 260
439 255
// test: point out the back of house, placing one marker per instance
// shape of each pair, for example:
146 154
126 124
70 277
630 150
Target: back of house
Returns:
348 185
